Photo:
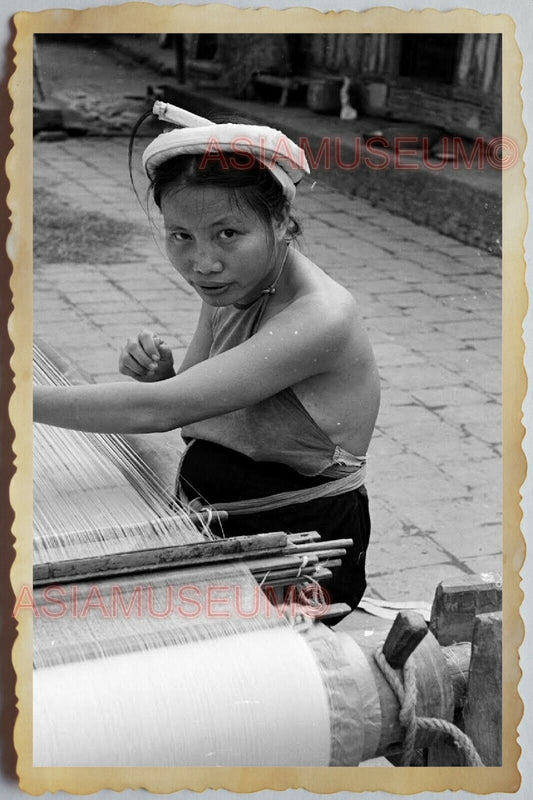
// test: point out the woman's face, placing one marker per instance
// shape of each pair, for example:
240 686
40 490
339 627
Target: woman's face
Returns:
223 249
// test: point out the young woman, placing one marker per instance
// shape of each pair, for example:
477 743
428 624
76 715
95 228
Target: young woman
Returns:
278 393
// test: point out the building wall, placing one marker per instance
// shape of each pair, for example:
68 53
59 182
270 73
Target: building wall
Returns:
468 104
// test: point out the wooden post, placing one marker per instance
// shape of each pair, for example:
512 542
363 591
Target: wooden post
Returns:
483 708
407 631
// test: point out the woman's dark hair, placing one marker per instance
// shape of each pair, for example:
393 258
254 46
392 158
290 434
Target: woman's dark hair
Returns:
254 182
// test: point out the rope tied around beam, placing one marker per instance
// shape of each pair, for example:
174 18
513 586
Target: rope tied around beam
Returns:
404 688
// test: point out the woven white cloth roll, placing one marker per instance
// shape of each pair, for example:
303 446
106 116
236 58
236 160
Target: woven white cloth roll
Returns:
247 700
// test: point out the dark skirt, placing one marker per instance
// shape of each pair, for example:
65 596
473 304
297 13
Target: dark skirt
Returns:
216 474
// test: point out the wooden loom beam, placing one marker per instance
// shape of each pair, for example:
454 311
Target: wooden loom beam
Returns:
461 682
159 557
284 555
467 622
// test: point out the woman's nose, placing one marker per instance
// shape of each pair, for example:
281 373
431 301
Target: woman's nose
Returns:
206 260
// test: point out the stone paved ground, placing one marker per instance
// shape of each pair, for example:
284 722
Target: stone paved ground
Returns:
432 308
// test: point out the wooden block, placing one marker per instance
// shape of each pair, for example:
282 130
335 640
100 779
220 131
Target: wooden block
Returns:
483 707
456 605
408 630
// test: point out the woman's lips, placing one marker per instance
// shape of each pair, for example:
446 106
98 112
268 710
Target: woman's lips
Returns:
213 288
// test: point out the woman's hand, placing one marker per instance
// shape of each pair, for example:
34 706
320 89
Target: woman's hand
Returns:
147 358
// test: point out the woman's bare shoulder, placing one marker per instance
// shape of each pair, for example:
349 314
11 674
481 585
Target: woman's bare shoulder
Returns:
334 316
330 304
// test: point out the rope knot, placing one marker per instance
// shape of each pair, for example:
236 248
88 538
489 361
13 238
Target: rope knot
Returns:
404 687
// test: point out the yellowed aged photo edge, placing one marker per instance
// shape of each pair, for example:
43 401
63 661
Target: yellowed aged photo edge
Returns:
220 18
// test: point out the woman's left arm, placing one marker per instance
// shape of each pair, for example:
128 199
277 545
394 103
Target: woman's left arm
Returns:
305 339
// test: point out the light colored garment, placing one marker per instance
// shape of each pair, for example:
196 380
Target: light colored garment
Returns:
272 148
277 429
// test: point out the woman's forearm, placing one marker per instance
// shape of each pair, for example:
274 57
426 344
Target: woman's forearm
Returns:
296 344
102 408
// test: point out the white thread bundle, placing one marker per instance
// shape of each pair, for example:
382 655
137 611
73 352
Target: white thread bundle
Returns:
94 496
253 700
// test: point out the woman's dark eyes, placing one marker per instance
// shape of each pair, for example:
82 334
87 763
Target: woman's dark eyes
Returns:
180 236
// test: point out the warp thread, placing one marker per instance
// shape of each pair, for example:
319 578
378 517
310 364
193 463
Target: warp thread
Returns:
93 494
406 691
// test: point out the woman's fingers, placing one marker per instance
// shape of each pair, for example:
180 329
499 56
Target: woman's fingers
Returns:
165 353
130 366
144 351
132 372
149 349
146 357
134 360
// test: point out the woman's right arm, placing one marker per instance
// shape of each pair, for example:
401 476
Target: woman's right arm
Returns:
307 338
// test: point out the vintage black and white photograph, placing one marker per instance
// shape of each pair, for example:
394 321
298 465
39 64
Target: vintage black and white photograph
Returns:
267 359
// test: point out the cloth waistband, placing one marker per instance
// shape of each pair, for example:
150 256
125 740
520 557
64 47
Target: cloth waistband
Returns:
258 505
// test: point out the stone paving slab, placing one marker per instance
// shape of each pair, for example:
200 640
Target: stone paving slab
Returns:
412 583
432 308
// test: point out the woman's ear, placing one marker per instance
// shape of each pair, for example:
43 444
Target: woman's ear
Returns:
281 225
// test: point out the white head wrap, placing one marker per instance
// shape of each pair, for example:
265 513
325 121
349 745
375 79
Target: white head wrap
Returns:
282 157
